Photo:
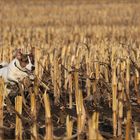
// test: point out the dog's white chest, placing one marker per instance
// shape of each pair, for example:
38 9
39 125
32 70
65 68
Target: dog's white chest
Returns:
14 72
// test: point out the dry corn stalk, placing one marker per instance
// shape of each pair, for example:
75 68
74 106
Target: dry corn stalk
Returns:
114 100
97 70
106 75
137 132
138 136
80 113
136 85
18 108
128 126
0 54
93 130
70 82
1 115
36 88
3 90
76 87
40 67
120 107
69 127
33 112
79 106
88 83
127 76
37 55
49 127
57 78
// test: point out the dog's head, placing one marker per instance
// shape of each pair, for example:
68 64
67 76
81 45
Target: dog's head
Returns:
26 61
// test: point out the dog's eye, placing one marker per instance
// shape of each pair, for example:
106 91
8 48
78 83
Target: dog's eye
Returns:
24 60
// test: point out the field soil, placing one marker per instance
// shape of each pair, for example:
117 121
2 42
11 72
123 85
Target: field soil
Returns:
109 20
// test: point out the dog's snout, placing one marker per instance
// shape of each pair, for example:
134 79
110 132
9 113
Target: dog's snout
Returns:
33 68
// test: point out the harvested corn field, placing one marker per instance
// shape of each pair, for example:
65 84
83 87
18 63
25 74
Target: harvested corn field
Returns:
85 84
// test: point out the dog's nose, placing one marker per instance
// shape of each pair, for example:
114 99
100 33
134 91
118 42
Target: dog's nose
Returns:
33 68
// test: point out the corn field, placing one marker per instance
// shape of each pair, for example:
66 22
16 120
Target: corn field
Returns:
87 67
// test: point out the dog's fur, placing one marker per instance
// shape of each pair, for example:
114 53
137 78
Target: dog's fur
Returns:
19 68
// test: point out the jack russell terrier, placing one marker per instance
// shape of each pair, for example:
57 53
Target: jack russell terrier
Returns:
19 68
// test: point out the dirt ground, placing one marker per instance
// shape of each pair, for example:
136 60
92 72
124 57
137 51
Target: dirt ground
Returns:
61 110
26 14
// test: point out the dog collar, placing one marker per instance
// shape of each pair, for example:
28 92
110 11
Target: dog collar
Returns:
19 68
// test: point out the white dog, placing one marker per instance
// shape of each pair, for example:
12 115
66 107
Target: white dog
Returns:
19 68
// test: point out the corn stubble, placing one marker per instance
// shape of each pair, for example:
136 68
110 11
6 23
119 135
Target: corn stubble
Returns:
82 61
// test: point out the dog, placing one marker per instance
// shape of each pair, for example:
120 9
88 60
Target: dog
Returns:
19 68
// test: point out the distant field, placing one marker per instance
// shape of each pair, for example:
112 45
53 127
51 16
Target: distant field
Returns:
87 67
70 13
